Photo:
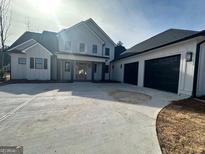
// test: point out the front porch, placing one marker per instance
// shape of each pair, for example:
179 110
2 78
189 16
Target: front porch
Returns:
78 68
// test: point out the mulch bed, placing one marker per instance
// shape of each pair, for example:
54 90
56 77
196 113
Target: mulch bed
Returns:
181 127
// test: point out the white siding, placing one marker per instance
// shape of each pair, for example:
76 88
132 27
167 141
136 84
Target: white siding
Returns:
18 71
89 34
38 51
80 34
186 68
98 73
201 72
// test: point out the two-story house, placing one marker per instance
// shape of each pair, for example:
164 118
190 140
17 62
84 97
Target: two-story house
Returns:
81 52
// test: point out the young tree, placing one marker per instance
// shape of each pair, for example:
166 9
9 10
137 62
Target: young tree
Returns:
5 23
119 49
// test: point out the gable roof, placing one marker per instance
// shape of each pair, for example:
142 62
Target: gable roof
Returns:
165 38
25 46
99 32
46 38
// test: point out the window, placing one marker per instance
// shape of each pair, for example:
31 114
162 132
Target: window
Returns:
38 63
95 68
95 48
106 68
67 66
68 45
82 47
31 63
107 51
45 63
21 60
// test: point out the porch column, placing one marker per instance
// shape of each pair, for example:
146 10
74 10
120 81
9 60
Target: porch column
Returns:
93 67
58 70
103 72
72 70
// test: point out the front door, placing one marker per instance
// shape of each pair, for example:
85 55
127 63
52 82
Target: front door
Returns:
81 71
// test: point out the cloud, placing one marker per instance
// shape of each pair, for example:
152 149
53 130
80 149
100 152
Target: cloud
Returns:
117 18
130 21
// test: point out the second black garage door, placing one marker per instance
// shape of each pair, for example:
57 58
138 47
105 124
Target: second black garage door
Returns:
131 73
163 73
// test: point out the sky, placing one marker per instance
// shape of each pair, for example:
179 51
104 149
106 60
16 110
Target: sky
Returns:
129 21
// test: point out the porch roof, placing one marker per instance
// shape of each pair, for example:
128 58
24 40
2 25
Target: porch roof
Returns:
81 57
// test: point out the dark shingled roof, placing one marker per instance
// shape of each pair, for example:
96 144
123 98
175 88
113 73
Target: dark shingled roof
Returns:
46 38
165 38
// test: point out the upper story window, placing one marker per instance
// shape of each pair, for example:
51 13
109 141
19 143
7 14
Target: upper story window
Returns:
82 47
107 51
95 48
68 45
21 60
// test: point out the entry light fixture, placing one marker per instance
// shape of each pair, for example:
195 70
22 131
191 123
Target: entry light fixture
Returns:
189 56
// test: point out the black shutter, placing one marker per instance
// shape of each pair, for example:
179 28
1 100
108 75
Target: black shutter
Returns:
45 64
31 63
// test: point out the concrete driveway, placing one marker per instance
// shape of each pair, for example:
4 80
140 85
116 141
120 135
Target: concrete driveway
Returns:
78 118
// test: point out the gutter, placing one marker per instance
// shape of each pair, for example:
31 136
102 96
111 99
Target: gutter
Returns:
196 69
201 33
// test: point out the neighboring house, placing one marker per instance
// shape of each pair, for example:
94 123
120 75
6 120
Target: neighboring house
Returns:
7 59
173 61
81 52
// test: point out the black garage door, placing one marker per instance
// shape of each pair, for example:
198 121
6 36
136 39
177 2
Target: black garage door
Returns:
163 73
131 73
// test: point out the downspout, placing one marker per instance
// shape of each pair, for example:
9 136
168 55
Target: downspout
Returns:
196 69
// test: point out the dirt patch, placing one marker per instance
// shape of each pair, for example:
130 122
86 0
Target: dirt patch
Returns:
181 127
130 97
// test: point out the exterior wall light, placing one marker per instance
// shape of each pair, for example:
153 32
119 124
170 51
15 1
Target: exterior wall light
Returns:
189 56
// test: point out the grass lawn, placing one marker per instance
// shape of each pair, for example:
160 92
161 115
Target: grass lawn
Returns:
181 127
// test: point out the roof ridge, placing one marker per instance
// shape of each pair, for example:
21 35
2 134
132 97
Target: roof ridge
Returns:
160 34
180 29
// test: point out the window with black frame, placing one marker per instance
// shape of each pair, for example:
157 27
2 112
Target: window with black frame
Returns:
21 60
95 48
107 51
38 63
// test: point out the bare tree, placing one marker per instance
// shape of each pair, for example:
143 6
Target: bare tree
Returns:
5 23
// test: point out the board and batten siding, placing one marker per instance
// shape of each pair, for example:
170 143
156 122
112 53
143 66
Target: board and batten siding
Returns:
186 68
82 33
201 72
19 71
76 35
98 73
